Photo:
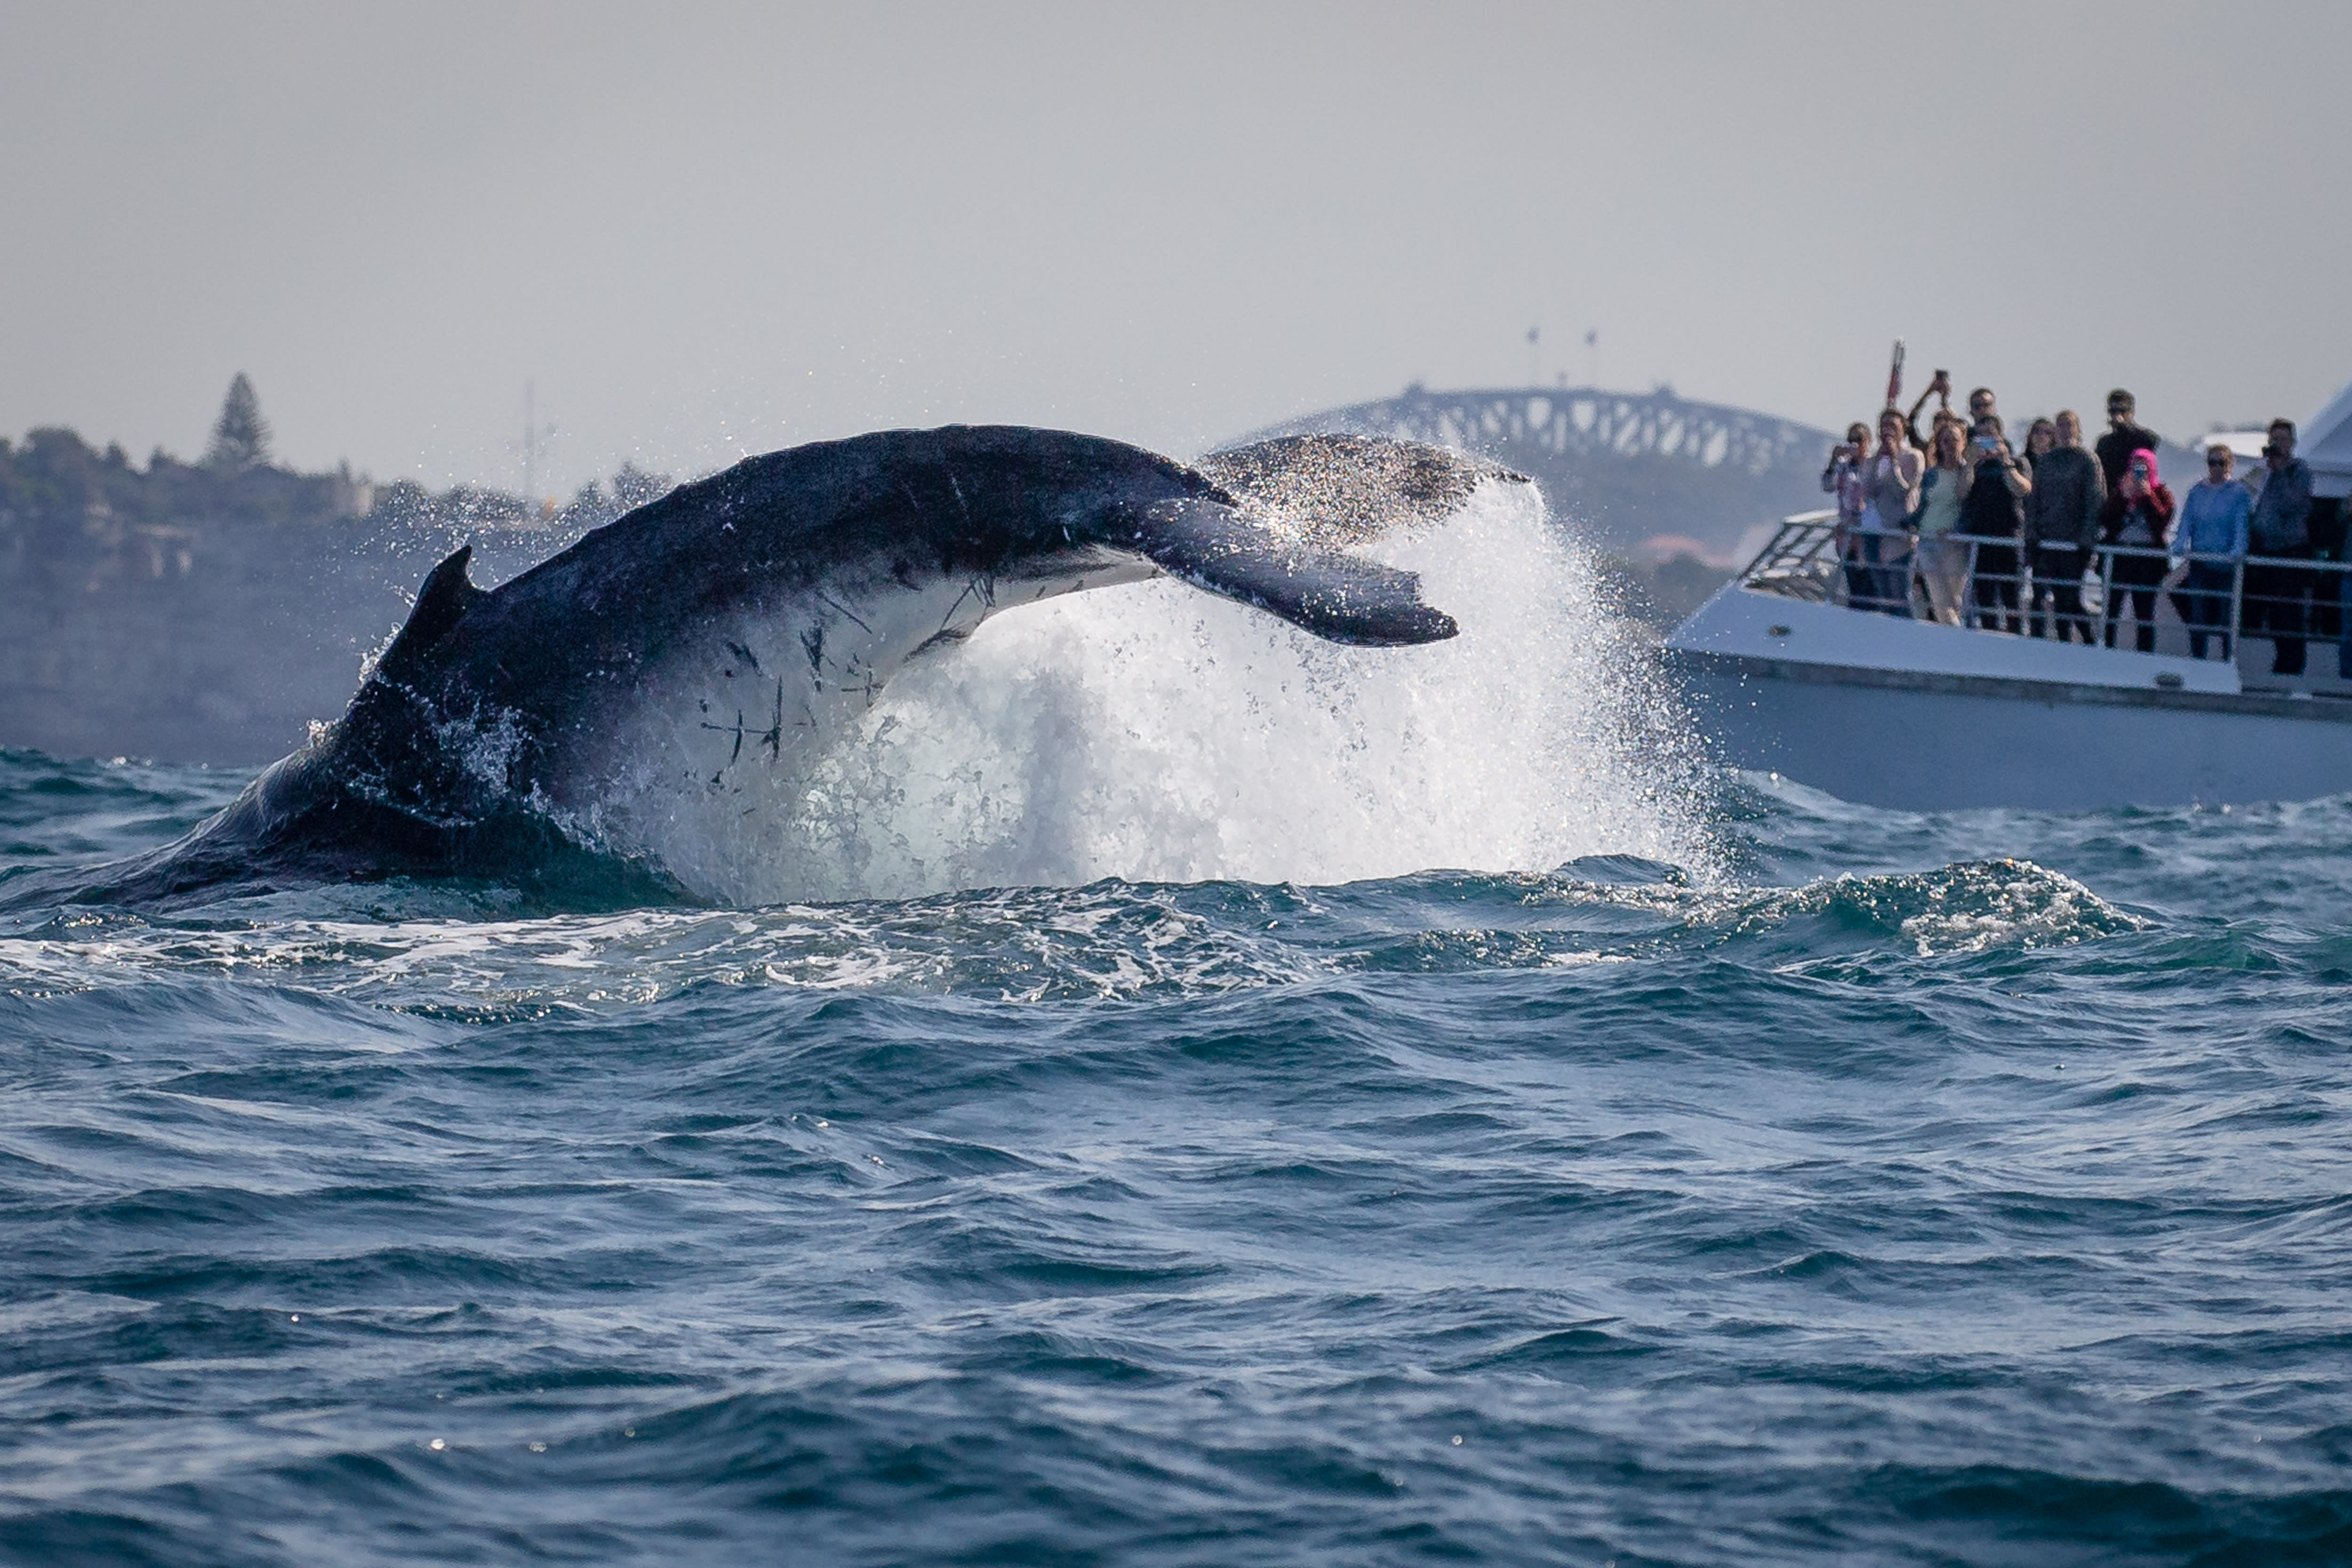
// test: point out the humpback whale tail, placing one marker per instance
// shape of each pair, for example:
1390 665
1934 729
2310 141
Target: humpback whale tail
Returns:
1337 596
694 659
1301 505
1340 490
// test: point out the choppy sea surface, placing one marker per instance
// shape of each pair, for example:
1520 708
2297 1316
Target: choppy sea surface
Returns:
1926 1189
1722 1174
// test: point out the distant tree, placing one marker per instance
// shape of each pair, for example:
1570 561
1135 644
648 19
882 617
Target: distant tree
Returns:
240 436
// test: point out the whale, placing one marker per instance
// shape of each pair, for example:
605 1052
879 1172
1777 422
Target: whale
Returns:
699 654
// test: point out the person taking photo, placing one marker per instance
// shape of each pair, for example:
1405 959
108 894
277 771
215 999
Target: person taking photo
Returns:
2137 519
1992 511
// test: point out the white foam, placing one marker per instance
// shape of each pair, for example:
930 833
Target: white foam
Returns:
1155 733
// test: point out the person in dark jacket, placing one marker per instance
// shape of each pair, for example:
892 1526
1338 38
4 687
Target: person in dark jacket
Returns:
2125 435
2062 527
2138 516
2040 436
1992 510
2281 529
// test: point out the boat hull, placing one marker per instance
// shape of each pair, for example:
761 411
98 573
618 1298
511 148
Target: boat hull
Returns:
1888 711
1941 742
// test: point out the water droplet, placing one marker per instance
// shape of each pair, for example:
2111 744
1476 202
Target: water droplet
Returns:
436 1444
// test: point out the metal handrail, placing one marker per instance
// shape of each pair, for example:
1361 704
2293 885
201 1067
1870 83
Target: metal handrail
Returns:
1799 562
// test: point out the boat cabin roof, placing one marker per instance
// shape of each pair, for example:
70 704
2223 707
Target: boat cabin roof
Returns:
2324 442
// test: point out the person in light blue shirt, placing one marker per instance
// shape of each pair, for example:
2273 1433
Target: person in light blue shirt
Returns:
2210 536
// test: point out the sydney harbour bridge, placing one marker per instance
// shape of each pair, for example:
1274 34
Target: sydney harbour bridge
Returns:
1627 465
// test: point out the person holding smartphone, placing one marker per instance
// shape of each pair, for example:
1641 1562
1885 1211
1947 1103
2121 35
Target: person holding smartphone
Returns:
1855 547
2138 517
1939 388
1992 513
1892 481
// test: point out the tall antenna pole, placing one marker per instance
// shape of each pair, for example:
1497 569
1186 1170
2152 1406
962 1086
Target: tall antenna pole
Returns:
534 436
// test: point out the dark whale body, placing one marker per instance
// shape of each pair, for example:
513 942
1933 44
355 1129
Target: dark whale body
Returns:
585 710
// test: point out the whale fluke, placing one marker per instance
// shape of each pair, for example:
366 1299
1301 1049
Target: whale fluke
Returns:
1340 490
1339 597
692 661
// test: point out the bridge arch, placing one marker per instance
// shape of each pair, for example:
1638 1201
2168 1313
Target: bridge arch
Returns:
1629 465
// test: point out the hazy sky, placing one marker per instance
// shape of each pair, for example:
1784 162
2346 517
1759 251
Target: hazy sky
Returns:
718 229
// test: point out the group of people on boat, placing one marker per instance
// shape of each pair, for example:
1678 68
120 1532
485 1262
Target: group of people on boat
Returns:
2006 537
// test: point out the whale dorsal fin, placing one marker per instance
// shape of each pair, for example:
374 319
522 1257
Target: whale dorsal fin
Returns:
1337 489
1337 597
441 604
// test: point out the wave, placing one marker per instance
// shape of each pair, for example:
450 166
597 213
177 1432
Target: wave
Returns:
428 949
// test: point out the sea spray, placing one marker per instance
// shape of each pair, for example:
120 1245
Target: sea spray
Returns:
1155 735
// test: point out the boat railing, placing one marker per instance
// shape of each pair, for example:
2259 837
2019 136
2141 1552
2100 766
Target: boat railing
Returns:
1799 561
1990 585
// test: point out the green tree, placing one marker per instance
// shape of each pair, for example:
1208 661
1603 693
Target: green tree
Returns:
240 436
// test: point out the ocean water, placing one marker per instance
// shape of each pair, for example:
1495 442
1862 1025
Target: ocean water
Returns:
1370 1112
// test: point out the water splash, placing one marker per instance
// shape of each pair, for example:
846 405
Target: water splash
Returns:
1105 942
1153 734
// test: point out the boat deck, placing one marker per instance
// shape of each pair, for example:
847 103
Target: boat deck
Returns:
1906 710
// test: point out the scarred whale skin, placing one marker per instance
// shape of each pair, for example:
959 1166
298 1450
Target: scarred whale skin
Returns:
733 623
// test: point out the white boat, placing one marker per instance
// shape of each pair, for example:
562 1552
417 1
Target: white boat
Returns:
1885 710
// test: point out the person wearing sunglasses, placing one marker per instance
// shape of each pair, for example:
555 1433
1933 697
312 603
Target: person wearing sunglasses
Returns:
2281 528
2210 540
2125 435
2040 436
